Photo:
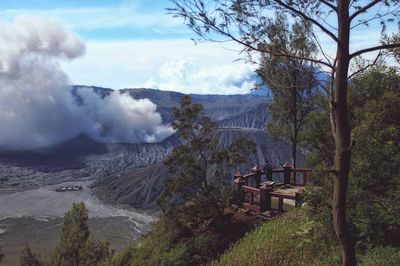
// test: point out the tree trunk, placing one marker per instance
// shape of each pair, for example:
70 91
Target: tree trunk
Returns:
342 138
294 152
295 123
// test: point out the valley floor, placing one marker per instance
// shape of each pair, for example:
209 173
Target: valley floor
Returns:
35 217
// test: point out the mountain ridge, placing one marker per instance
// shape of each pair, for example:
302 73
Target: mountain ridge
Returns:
133 173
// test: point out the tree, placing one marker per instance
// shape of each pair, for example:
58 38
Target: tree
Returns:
195 192
1 254
75 247
292 81
244 22
28 258
374 178
376 115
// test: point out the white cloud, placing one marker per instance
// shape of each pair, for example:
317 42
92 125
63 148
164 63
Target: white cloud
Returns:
36 108
189 77
122 64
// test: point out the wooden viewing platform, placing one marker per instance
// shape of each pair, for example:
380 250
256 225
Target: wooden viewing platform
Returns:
270 196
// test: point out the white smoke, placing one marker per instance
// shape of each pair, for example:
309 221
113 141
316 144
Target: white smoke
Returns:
120 118
37 109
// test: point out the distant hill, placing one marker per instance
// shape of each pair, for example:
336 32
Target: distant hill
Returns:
218 107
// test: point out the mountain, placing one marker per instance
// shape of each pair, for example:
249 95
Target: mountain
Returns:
218 107
77 159
141 188
256 117
134 174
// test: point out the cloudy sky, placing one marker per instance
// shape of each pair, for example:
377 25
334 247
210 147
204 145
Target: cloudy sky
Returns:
135 44
46 45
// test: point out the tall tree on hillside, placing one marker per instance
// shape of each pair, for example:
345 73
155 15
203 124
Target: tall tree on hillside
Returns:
28 258
195 191
292 81
75 247
245 23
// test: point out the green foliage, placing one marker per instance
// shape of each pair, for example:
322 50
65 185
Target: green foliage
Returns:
318 142
28 258
317 139
194 226
292 81
123 258
247 22
75 247
160 247
195 192
375 178
157 248
374 182
178 255
1 254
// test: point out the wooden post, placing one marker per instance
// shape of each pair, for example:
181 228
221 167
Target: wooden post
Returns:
237 185
280 204
237 188
268 174
287 172
257 175
265 198
299 199
305 177
268 171
237 175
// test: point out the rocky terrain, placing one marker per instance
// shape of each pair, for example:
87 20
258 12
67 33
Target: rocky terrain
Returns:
78 159
141 187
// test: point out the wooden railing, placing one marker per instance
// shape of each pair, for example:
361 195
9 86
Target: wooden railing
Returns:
257 173
298 198
258 196
259 199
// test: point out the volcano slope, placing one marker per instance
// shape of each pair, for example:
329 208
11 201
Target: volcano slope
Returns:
134 174
141 187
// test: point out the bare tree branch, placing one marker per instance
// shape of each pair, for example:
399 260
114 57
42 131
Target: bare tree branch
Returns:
329 5
304 16
364 9
366 66
375 48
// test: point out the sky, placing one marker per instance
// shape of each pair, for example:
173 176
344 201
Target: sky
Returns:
137 44
46 45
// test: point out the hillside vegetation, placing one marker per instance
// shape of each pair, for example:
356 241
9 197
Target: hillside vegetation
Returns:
293 239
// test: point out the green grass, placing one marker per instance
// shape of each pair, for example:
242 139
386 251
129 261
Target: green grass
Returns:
291 239
382 256
294 240
283 241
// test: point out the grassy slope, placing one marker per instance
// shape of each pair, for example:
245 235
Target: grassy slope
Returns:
291 240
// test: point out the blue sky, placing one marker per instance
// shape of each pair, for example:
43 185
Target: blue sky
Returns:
105 20
136 44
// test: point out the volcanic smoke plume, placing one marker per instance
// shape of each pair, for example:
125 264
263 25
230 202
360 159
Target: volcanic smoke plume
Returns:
36 105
